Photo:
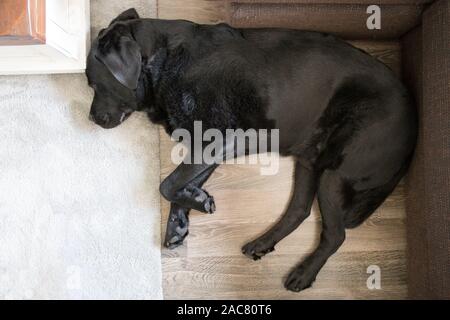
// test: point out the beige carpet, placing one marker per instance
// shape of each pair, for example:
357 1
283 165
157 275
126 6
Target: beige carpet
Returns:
79 205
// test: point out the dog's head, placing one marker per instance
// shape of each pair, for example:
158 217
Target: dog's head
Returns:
113 69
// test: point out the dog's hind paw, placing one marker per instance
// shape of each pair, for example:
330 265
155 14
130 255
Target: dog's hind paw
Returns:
299 280
257 249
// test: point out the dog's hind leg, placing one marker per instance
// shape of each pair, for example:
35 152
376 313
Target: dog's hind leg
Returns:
333 232
298 210
178 222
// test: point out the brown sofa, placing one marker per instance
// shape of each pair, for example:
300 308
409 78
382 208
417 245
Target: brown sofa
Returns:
422 27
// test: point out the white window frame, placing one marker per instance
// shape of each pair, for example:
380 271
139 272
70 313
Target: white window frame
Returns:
67 41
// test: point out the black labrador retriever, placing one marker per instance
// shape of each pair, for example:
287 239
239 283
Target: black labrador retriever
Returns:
343 115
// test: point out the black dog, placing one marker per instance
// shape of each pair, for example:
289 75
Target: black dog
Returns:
343 115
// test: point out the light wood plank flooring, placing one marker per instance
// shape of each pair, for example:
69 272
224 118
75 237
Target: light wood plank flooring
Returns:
210 264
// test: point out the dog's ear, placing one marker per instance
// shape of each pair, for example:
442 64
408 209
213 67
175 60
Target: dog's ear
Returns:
129 14
122 56
126 15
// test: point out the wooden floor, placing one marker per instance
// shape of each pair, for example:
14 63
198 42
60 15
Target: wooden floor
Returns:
210 264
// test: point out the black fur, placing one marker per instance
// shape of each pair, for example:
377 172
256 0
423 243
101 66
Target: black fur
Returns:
343 115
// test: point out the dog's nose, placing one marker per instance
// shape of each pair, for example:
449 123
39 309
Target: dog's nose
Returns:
102 119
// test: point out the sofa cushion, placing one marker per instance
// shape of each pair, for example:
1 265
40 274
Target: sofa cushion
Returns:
345 20
434 202
426 70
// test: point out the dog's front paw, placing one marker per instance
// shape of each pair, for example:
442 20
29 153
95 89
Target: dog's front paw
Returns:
207 202
209 205
257 249
177 229
299 279
197 198
175 239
